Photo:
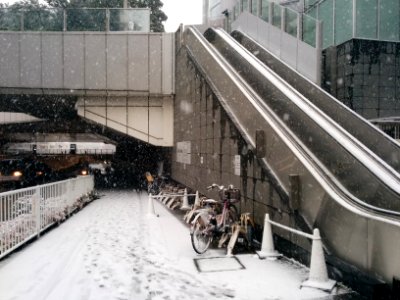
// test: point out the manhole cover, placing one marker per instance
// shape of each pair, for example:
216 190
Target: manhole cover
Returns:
218 264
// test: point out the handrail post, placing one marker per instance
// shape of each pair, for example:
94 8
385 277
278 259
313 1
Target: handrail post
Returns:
318 46
107 19
21 18
36 204
64 19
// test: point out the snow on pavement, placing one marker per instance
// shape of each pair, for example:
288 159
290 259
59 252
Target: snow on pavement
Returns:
113 250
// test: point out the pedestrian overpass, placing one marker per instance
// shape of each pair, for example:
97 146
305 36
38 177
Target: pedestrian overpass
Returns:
123 80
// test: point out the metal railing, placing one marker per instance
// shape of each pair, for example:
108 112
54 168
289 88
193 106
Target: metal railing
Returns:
318 277
74 19
25 213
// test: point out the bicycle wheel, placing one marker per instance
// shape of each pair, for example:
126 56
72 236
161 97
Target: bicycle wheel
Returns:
200 236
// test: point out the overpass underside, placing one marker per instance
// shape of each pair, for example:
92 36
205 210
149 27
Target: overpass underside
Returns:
147 118
122 80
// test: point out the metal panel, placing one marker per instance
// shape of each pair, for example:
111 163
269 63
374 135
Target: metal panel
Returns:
52 61
74 73
307 61
138 62
168 121
168 63
117 56
30 59
155 63
117 113
252 24
95 61
275 40
263 33
138 122
9 60
289 49
156 122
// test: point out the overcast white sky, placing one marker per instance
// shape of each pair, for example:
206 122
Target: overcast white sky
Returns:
182 11
178 11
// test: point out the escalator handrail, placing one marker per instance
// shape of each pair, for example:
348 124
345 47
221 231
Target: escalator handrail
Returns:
370 160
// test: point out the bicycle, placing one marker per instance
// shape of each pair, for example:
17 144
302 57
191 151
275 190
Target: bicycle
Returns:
210 224
155 184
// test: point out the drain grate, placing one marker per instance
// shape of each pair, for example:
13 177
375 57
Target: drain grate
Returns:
218 264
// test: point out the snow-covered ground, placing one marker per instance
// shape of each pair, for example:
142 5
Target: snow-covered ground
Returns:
113 250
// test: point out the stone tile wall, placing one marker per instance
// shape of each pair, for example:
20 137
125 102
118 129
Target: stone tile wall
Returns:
365 75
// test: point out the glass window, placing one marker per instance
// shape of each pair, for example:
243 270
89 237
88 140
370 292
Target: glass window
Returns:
325 14
366 19
308 3
245 5
86 19
276 15
254 6
238 7
44 20
130 20
343 21
309 30
264 10
389 20
291 22
10 20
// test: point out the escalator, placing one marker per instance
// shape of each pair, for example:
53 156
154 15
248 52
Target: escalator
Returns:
349 192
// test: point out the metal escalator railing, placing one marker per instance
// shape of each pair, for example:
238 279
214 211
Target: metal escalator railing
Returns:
386 148
351 163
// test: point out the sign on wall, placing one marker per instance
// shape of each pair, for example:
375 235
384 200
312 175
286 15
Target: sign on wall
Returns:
183 150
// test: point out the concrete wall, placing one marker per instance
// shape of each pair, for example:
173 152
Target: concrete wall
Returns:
209 149
78 62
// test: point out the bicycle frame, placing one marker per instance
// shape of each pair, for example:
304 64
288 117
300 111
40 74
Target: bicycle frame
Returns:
225 211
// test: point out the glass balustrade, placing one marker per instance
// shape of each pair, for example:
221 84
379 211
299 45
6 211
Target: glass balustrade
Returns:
291 17
254 7
84 19
264 10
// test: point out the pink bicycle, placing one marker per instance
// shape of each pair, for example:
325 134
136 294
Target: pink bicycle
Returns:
211 223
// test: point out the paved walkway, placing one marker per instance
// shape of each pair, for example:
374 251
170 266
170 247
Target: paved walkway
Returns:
112 250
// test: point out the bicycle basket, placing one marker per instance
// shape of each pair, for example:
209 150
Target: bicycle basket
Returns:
233 195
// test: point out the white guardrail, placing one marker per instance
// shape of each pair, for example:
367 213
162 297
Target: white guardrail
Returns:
25 213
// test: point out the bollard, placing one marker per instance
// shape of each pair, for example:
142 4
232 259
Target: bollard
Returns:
185 202
318 277
267 245
150 209
197 200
